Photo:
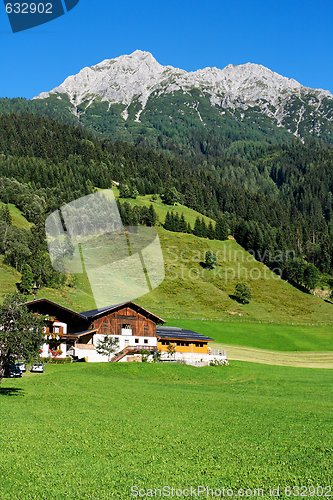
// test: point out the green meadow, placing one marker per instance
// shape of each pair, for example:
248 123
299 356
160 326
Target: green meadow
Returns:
93 431
276 337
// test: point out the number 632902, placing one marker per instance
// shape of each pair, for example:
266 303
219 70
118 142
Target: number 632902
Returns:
29 8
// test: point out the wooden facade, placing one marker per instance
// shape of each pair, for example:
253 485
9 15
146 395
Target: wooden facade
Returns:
188 347
126 318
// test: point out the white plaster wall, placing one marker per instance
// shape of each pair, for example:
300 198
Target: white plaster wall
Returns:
128 340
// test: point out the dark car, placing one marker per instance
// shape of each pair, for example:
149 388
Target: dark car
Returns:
13 371
21 366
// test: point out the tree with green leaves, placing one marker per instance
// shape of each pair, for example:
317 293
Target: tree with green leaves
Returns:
182 224
210 231
311 276
171 349
152 216
175 221
197 230
221 229
27 280
168 223
210 259
171 196
243 293
107 347
127 191
21 332
5 215
204 229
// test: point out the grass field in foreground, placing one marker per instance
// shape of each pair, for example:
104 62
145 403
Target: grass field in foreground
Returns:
93 431
264 336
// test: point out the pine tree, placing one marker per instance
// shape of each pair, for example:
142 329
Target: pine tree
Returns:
168 223
182 224
27 280
197 230
176 221
203 228
210 231
221 229
152 216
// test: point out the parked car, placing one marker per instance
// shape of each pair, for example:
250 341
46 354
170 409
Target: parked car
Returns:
37 368
13 371
21 366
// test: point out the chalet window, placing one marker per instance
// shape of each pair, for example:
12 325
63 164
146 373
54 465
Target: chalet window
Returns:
136 341
126 327
145 341
56 329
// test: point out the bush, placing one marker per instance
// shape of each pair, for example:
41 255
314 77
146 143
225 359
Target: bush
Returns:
243 293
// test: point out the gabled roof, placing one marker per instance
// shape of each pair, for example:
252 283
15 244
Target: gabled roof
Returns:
173 333
95 313
33 304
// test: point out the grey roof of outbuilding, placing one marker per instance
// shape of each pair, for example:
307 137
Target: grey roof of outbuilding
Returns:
170 332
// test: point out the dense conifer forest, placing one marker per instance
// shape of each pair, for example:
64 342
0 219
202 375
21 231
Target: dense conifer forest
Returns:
276 199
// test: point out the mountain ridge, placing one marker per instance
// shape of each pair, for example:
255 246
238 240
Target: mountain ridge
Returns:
138 78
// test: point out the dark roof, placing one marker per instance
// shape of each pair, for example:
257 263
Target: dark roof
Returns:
33 304
94 313
78 334
171 332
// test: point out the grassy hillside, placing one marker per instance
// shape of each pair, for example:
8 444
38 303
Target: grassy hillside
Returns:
191 292
8 278
239 427
161 208
18 218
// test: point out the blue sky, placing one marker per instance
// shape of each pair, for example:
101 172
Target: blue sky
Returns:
294 38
